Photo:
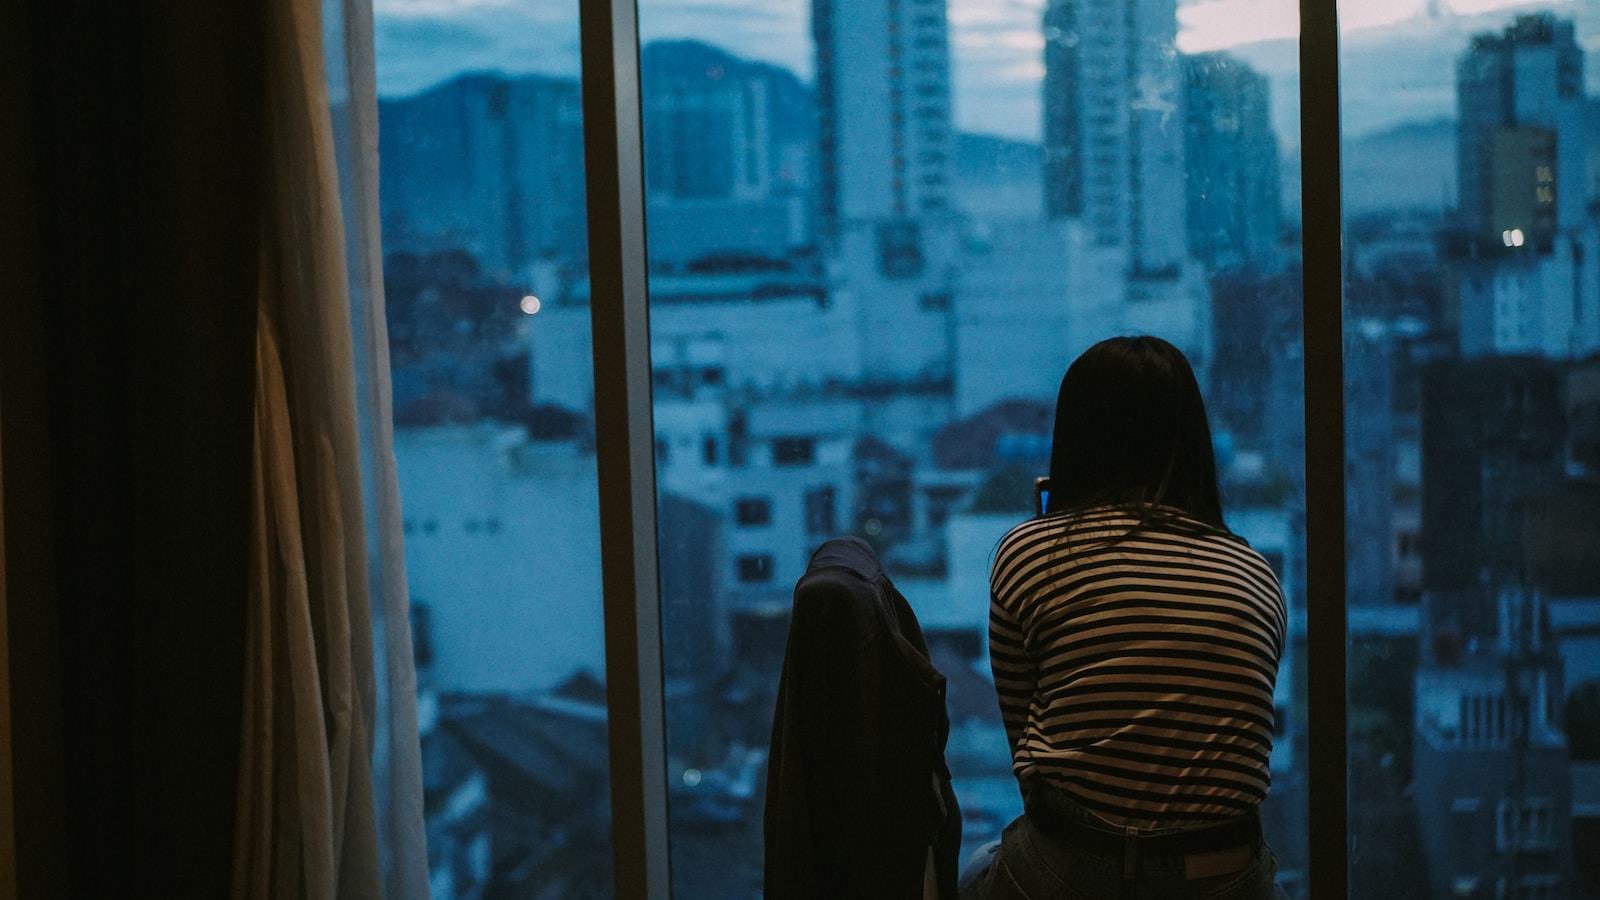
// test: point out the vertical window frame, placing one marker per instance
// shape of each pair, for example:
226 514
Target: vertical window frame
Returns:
613 147
1322 255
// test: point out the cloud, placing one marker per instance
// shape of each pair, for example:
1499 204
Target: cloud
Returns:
428 37
999 108
1001 13
1010 42
442 8
994 44
423 42
420 43
775 31
1216 24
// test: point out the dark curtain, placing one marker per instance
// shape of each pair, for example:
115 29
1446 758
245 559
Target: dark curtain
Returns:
130 170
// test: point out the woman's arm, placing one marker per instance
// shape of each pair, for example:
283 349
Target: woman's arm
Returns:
1014 676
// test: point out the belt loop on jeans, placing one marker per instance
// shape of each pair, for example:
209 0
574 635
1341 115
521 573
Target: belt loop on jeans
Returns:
1130 853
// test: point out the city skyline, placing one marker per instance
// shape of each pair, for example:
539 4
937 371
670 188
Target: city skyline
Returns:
797 395
996 46
1203 24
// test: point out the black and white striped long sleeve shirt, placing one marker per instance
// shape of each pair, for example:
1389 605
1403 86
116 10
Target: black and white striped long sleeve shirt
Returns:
1135 665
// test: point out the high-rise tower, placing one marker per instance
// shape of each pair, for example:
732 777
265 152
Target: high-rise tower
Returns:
1526 258
1113 126
1231 156
883 103
1520 110
884 157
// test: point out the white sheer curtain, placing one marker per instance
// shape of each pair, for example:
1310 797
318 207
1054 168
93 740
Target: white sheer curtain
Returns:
397 753
330 798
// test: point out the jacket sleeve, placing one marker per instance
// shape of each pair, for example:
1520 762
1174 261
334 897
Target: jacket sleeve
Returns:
788 822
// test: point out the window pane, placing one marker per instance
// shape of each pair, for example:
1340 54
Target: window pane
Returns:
887 226
1472 311
482 199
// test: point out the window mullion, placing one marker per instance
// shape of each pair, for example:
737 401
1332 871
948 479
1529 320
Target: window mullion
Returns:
624 453
1322 252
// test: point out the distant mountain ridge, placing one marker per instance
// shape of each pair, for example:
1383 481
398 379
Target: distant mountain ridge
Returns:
987 157
1407 70
1398 73
789 99
1410 166
1000 175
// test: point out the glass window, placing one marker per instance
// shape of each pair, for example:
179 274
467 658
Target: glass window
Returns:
794 451
819 510
1472 319
755 568
482 206
945 203
752 511
865 282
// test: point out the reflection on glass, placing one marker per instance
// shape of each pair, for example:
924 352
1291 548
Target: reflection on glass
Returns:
484 239
1473 453
870 262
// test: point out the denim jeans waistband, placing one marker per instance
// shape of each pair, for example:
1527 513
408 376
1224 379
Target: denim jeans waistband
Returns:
1057 814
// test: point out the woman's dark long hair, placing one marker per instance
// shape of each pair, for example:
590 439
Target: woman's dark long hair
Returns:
1131 431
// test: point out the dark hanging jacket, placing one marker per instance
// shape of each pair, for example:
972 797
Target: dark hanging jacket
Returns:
857 789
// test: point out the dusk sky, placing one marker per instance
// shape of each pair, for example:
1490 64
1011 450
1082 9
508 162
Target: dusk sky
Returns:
995 44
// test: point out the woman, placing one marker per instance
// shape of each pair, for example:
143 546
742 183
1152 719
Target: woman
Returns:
1135 644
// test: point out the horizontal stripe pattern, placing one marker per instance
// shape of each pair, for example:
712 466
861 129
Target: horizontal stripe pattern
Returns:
1135 665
